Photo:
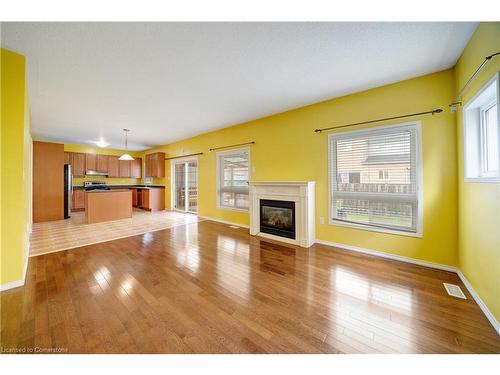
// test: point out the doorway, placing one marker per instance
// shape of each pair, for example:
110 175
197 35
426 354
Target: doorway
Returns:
185 185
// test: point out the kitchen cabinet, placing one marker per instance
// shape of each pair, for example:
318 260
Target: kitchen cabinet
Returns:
155 164
153 199
124 168
67 157
48 177
113 166
136 168
90 162
78 164
78 200
134 197
102 163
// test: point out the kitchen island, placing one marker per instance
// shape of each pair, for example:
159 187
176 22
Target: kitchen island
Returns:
107 205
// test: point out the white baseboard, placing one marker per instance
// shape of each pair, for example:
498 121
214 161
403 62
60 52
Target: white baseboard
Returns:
18 283
224 221
382 254
11 285
489 315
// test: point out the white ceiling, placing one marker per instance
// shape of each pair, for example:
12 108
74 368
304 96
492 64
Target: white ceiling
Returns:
169 81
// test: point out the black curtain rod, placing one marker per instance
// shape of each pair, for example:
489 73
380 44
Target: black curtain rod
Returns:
239 144
469 81
184 156
438 110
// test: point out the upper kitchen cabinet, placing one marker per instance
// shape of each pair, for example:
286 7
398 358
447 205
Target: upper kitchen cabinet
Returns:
67 157
155 164
136 168
124 168
102 163
78 164
113 166
90 162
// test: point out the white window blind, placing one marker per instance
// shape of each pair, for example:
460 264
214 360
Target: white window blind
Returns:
233 179
375 178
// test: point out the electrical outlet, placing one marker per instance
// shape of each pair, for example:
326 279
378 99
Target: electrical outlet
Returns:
253 169
322 220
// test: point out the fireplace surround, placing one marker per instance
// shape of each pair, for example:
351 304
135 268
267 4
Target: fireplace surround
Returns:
283 211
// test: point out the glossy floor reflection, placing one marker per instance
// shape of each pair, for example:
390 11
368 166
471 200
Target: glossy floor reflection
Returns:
204 287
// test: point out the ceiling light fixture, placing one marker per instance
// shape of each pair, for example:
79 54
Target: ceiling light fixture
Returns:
101 143
126 156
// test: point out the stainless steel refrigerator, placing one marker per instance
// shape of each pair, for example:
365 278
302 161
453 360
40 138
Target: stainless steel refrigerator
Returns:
68 190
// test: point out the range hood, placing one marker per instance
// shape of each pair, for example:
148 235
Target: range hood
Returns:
96 173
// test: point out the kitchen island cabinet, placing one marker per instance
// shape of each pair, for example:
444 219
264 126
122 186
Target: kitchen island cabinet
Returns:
107 205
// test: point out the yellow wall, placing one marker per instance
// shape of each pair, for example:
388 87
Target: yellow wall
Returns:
78 181
479 203
15 172
287 149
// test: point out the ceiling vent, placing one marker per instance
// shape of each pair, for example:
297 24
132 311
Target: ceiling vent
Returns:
454 291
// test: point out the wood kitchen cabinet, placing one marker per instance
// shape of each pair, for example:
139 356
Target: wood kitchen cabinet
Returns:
155 164
78 164
113 166
67 157
102 163
153 199
136 168
124 168
48 178
78 200
90 162
134 198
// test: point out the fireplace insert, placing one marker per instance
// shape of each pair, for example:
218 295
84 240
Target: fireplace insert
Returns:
278 218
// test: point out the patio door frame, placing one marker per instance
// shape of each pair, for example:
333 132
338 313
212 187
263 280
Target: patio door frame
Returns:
173 195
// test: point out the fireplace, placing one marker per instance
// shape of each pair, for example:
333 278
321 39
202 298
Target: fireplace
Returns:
277 217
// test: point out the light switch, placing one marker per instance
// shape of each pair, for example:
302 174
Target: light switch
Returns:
322 220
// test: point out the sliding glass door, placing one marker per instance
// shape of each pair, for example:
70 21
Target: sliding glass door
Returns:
185 185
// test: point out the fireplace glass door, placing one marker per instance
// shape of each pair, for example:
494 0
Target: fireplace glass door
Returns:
185 186
277 217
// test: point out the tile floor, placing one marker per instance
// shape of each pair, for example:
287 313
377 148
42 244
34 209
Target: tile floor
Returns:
66 234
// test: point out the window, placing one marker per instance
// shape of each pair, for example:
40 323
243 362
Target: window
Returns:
232 172
481 135
383 174
384 192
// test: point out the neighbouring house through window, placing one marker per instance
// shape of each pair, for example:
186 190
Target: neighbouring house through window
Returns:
375 180
232 179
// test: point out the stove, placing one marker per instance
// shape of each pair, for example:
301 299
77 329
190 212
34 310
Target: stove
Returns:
95 185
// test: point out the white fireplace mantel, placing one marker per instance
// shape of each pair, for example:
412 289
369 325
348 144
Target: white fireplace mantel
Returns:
302 193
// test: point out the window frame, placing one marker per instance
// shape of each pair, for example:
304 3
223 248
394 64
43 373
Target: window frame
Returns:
482 175
417 125
219 175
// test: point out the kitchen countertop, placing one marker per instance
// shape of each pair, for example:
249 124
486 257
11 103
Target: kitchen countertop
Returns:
108 191
114 187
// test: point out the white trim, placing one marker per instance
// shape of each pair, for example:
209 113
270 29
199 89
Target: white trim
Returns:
217 177
419 176
11 285
224 221
17 283
173 163
360 226
382 254
443 267
466 107
489 315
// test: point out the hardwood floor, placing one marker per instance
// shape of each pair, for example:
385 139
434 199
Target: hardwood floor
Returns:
207 288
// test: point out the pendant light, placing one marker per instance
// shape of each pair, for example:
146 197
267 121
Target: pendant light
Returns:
126 156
